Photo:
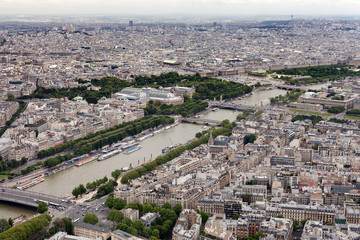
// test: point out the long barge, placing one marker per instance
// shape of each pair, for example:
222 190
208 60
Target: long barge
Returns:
30 183
132 149
86 160
109 154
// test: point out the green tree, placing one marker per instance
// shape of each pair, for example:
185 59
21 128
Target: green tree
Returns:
23 160
295 224
258 235
110 201
114 216
134 205
280 216
147 207
10 221
155 233
119 203
336 110
115 174
128 221
4 225
42 207
153 238
166 205
82 189
303 222
178 208
91 218
138 225
225 122
69 227
133 231
249 139
76 192
204 216
27 229
147 231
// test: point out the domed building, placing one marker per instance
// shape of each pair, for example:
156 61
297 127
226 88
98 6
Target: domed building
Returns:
147 94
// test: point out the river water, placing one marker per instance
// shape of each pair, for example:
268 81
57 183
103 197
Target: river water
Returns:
260 97
63 183
10 210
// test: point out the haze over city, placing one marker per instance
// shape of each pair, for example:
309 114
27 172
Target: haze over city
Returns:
179 119
181 7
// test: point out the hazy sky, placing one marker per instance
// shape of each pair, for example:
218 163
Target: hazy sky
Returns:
203 7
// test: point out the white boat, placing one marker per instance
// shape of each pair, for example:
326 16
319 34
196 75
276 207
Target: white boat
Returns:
145 137
159 131
109 154
129 145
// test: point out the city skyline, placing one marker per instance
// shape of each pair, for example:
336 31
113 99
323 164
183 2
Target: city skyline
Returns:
186 7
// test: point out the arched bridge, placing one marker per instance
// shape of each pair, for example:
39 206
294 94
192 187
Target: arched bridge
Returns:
232 106
30 198
201 121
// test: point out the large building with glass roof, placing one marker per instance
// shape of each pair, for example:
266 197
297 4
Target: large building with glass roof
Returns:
147 94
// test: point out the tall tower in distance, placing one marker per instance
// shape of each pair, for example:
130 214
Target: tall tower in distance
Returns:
131 23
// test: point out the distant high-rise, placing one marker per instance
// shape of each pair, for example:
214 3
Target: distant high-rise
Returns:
131 23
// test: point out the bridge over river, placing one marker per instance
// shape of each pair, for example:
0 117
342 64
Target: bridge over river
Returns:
201 121
31 199
232 106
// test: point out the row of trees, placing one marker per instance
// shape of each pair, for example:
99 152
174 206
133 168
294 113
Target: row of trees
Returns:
291 96
8 166
314 119
11 164
52 162
336 110
118 204
108 136
355 112
206 88
59 224
243 115
96 183
27 229
135 173
108 85
105 188
318 74
336 120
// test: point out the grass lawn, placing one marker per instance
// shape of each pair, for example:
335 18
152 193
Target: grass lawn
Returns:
4 176
352 117
314 113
